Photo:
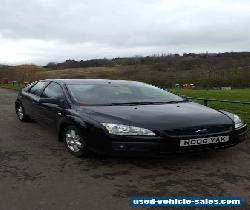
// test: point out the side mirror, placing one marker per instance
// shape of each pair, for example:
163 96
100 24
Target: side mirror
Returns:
185 98
49 101
60 102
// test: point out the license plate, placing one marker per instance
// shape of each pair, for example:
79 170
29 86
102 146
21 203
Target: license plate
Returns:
202 141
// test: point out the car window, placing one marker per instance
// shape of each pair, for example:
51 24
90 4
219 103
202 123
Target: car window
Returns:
37 88
27 87
53 90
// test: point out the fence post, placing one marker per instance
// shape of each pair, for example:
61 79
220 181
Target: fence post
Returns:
206 102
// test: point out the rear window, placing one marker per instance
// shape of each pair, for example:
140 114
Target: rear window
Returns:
37 88
26 89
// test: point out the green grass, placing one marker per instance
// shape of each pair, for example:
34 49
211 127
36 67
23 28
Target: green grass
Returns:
16 87
235 95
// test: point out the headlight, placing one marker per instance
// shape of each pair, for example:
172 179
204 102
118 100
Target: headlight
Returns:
238 122
119 129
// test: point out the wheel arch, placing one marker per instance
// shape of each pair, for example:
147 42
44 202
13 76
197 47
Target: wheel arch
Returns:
72 121
17 103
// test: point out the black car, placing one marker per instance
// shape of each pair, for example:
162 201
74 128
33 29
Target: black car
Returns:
125 117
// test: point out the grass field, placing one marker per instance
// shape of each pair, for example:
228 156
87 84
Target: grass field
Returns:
11 86
235 95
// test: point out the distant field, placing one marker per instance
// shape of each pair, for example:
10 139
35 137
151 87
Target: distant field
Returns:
11 86
236 94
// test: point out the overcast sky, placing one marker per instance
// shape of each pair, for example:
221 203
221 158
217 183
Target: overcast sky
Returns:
40 31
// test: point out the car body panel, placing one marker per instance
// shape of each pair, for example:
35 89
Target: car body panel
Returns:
165 116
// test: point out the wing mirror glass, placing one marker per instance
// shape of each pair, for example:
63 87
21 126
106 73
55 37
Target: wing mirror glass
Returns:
60 102
185 98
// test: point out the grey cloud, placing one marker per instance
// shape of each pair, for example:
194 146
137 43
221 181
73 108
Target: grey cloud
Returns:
124 27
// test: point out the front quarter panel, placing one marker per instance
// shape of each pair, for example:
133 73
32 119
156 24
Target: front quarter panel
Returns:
83 122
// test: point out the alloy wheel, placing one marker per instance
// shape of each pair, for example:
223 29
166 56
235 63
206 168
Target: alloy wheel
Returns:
73 140
20 112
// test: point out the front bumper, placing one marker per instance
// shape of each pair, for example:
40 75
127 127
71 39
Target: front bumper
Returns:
161 144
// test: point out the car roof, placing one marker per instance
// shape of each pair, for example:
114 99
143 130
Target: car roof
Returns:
94 81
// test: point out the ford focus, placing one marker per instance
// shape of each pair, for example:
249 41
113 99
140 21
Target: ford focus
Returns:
125 117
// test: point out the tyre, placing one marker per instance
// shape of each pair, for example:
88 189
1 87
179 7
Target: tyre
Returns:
21 113
75 141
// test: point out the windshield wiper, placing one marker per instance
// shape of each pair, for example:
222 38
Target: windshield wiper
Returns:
175 102
143 103
131 103
124 104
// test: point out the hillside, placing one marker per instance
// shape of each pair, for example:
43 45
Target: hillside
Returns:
225 69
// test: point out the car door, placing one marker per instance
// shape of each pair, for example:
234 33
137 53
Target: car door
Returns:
30 98
49 114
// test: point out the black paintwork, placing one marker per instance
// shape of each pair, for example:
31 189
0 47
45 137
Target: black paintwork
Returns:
171 122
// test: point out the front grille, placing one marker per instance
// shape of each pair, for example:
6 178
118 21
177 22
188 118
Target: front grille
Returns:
199 131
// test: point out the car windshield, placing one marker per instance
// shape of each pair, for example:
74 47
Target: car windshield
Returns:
112 94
